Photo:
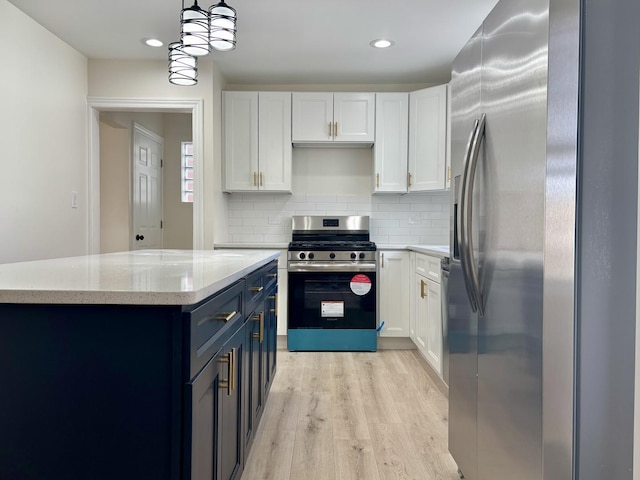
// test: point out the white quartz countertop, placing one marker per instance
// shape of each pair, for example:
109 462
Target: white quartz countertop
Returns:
143 277
434 250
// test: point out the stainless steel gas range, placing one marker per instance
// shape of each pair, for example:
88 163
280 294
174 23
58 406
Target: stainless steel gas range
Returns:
332 285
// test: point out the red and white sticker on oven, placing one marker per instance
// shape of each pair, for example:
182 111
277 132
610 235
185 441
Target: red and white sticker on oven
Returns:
360 284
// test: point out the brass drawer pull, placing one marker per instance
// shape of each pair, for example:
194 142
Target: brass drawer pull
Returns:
422 292
260 335
229 383
335 129
256 289
225 317
275 303
329 129
272 275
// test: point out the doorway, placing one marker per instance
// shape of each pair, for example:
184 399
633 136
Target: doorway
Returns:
98 105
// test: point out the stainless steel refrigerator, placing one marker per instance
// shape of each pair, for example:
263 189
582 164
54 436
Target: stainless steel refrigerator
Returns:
495 305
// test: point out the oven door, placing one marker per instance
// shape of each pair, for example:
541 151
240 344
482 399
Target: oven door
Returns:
332 300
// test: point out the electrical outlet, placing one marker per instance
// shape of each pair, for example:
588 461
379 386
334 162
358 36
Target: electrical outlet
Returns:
414 220
274 220
74 199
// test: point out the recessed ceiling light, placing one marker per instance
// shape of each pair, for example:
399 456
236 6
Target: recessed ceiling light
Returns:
381 43
153 42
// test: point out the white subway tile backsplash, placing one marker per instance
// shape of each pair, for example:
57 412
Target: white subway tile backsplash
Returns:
402 219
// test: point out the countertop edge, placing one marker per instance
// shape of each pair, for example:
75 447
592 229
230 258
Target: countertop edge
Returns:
119 297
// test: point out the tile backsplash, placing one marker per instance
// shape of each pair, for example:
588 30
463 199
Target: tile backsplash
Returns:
395 219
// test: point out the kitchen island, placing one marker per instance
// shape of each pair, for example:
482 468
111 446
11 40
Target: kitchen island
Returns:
148 364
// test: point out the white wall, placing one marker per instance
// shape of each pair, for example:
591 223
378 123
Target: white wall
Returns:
148 79
114 188
43 130
177 215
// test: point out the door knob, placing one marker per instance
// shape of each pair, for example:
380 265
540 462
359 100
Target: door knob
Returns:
139 237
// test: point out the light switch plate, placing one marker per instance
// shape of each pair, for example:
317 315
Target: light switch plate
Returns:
74 199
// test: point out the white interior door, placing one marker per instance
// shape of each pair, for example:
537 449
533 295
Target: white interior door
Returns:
146 207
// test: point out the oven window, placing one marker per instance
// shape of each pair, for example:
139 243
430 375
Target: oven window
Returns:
332 300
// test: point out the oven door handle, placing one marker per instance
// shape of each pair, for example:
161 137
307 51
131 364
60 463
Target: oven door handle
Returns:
331 267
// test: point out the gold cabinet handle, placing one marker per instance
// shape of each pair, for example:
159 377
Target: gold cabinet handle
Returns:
229 383
260 334
449 173
377 180
272 275
254 179
225 317
382 259
232 375
422 292
329 130
261 179
256 289
275 302
408 179
335 129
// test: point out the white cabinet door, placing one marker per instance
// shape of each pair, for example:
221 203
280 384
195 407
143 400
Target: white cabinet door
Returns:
447 181
333 117
274 141
391 147
434 326
312 117
393 284
428 321
422 313
283 290
427 138
240 124
353 117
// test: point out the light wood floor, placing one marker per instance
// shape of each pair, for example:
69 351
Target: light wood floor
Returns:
352 415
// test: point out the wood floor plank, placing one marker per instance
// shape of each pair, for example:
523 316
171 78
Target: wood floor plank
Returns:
349 419
313 453
355 460
271 455
377 397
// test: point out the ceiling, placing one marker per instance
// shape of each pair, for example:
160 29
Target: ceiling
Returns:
283 41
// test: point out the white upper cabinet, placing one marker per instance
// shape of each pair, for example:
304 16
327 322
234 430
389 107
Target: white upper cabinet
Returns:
274 141
391 147
427 139
257 141
333 118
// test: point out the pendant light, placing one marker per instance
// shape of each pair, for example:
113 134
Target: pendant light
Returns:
222 30
194 30
183 68
200 31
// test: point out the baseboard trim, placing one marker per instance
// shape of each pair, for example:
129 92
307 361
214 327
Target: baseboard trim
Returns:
433 375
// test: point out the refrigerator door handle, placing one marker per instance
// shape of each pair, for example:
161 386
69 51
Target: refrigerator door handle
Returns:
473 163
463 240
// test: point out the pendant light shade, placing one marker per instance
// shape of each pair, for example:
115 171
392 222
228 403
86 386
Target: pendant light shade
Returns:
183 68
222 34
194 30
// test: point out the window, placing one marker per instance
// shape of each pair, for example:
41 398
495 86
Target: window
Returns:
187 172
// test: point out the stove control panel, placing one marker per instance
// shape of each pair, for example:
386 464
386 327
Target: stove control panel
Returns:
339 256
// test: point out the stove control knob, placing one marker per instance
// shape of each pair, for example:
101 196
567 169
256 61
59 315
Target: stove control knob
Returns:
302 256
361 256
311 255
332 255
353 256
